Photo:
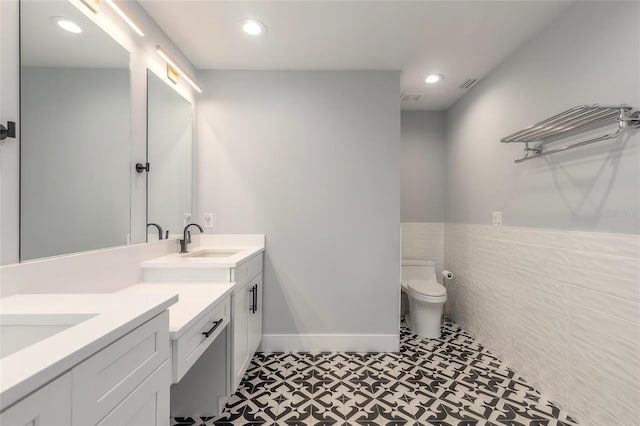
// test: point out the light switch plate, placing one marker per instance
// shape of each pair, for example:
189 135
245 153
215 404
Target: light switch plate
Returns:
497 218
208 220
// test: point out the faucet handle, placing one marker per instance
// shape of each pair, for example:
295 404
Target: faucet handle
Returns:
189 237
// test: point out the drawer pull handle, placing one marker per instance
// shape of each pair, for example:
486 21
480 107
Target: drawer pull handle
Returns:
210 332
254 301
253 298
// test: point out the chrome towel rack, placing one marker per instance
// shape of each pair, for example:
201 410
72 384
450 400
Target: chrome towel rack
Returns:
571 122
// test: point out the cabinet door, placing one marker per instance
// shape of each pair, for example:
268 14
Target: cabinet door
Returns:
49 406
240 318
147 405
255 316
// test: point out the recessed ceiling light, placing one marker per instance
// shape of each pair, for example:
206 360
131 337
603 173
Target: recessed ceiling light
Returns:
434 78
253 27
66 24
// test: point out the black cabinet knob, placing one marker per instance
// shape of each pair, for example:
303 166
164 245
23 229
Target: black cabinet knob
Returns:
9 131
146 167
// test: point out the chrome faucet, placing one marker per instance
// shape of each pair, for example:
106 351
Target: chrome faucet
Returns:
159 229
186 237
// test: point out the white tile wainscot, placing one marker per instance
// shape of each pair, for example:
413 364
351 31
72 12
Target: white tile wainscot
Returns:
424 240
192 395
561 307
106 362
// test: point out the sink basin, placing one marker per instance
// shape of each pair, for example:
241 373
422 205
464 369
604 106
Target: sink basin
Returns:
213 253
18 331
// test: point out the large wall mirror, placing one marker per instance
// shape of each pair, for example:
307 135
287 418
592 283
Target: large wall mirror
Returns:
75 101
169 152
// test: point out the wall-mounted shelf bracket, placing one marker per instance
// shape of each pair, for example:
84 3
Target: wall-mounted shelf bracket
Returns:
9 131
537 149
632 119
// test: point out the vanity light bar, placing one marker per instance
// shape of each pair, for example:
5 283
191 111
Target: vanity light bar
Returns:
164 55
125 17
94 5
173 74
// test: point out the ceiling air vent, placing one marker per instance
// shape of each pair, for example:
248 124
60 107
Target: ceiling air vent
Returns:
468 83
411 97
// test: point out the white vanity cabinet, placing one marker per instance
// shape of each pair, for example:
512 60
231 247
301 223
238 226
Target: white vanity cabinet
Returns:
125 383
246 324
216 259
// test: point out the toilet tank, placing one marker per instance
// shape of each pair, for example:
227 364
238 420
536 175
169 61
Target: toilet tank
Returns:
418 269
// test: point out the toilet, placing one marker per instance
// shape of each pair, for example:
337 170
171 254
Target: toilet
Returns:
426 297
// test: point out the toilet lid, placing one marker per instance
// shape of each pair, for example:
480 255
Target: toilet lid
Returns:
428 288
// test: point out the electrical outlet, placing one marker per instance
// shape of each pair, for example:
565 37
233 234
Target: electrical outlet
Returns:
187 219
497 218
208 220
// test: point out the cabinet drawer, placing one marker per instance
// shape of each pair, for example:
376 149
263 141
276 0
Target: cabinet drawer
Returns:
104 380
193 342
247 270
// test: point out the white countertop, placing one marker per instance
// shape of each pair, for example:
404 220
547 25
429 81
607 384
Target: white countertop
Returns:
195 300
187 260
115 315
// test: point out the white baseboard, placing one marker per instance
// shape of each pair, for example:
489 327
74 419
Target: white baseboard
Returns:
330 343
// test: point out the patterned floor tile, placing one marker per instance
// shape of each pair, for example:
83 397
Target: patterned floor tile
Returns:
440 412
395 410
189 421
448 381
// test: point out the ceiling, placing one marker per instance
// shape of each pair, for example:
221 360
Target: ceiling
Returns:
460 39
44 44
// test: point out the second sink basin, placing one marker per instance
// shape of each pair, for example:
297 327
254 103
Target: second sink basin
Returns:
213 253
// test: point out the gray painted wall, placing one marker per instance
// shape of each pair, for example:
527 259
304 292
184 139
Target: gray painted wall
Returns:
312 159
422 166
580 58
75 172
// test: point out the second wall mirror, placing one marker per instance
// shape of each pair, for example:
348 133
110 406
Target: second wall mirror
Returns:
169 153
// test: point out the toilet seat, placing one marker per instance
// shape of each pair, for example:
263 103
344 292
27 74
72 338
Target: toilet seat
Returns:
427 291
427 288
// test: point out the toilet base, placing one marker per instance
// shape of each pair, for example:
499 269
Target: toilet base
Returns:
424 318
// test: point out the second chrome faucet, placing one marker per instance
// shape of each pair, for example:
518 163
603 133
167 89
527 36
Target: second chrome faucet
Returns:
186 237
158 227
